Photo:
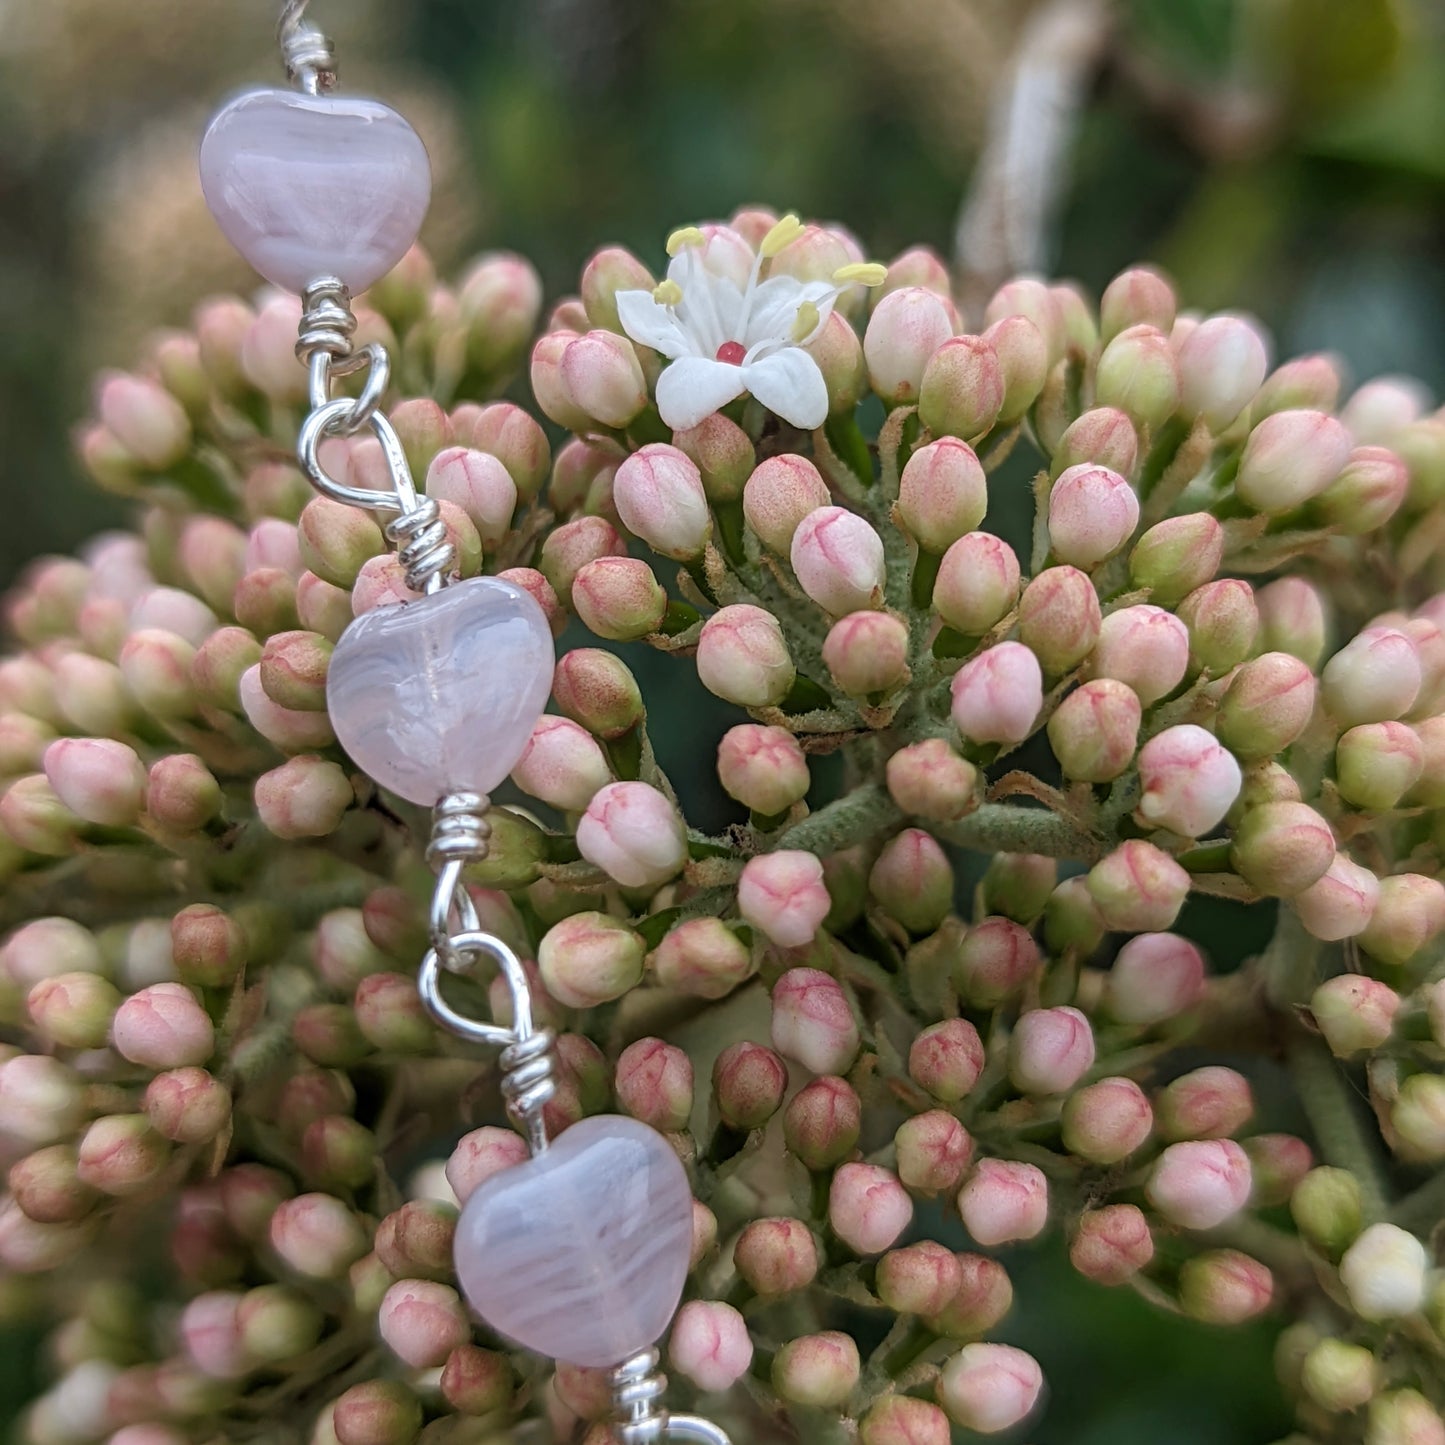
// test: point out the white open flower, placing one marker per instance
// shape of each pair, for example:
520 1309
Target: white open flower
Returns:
726 331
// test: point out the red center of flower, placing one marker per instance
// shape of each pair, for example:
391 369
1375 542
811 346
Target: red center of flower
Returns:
732 352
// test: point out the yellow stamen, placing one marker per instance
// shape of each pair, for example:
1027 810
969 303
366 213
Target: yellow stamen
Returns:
668 293
865 273
686 236
784 233
805 323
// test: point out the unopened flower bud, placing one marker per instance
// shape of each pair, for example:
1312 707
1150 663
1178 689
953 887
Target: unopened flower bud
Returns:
481 1154
1223 622
821 1371
590 958
1092 512
1327 1208
1290 457
1418 1117
163 1027
1138 888
182 793
30 1247
659 496
779 495
776 1256
1281 848
1023 360
378 1412
601 378
1031 298
619 598
1004 1200
1292 619
208 946
336 540
1404 1417
73 1010
912 880
598 690
47 1187
42 1100
570 547
903 1420
1111 1245
1354 1012
990 1388
306 797
120 1154
1059 618
921 1279
1408 915
724 456
1095 729
764 768
709 1344
838 559
905 330
1224 1287
1050 1050
187 1106
1107 1121
995 959
1177 556
1367 493
1268 704
742 657
422 1322
145 419
654 1083
1137 373
813 1022
1144 647
1207 1103
1071 918
1338 1376
1384 1273
290 729
977 583
480 485
703 957
1188 780
1201 1183
942 494
930 780
946 1059
822 1122
782 894
1375 677
416 1241
962 390
998 695
867 1207
562 765
1136 297
634 834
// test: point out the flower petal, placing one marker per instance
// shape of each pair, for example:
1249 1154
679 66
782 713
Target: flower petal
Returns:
694 387
650 323
790 383
774 309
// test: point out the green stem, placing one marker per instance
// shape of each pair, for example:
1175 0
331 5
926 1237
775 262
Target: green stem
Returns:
854 818
1008 828
1424 1208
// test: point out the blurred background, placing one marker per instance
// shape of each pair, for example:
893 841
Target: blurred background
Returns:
1281 156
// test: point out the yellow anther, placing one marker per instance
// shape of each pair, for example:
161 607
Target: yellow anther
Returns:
805 323
784 233
686 236
667 293
865 273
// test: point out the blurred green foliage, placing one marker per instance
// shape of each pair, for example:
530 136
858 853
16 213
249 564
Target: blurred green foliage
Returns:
1284 156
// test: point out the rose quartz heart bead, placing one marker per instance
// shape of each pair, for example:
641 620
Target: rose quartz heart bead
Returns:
306 186
580 1254
441 695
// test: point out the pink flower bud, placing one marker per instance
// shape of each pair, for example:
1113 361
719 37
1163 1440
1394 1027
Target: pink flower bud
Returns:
570 547
838 559
1106 1122
290 729
1138 888
742 657
1278 1163
1281 848
812 1020
1404 1417
1095 730
210 1336
562 765
1189 782
1156 976
1375 677
512 436
1224 1287
867 654
1380 409
163 1027
30 1247
306 797
379 1412
1138 296
1039 303
929 780
990 1388
1367 493
1290 457
1059 618
480 1154
1071 918
998 695
1145 648
776 1256
1050 1050
912 880
820 1371
1385 1273
703 957
1103 437
867 1207
47 1186
156 667
73 1010
1023 360
779 495
995 959
601 379
633 834
1417 1118
822 1122
903 1420
589 959
1354 1012
1221 365
598 690
1201 1183
933 1151
782 894
1137 372
182 793
921 1279
476 1382
422 1322
1268 704
293 670
120 1154
317 1235
962 391
904 331
208 946
187 1106
1292 619
654 1083
336 540
1207 1103
1111 1245
619 598
1223 622
659 496
145 419
1092 512
977 583
839 355
480 485
724 456
709 1344
764 768
1004 1200
1177 555
1409 914
946 1059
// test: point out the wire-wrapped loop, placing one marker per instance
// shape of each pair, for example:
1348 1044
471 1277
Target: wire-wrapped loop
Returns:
637 1387
305 52
423 546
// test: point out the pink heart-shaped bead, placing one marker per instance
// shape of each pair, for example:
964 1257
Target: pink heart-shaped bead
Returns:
441 695
581 1253
306 186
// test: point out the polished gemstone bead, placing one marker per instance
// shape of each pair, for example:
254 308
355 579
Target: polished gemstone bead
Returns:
306 186
440 695
580 1254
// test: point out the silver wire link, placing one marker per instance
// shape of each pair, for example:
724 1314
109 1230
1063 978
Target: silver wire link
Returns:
306 53
637 1386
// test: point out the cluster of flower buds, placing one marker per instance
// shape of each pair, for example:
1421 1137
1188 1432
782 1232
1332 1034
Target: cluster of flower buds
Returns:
1211 673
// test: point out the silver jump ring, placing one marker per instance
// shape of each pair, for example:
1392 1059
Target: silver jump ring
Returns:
335 418
472 943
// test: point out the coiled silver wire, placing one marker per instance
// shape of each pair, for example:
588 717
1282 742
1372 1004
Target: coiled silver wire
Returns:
306 53
637 1386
